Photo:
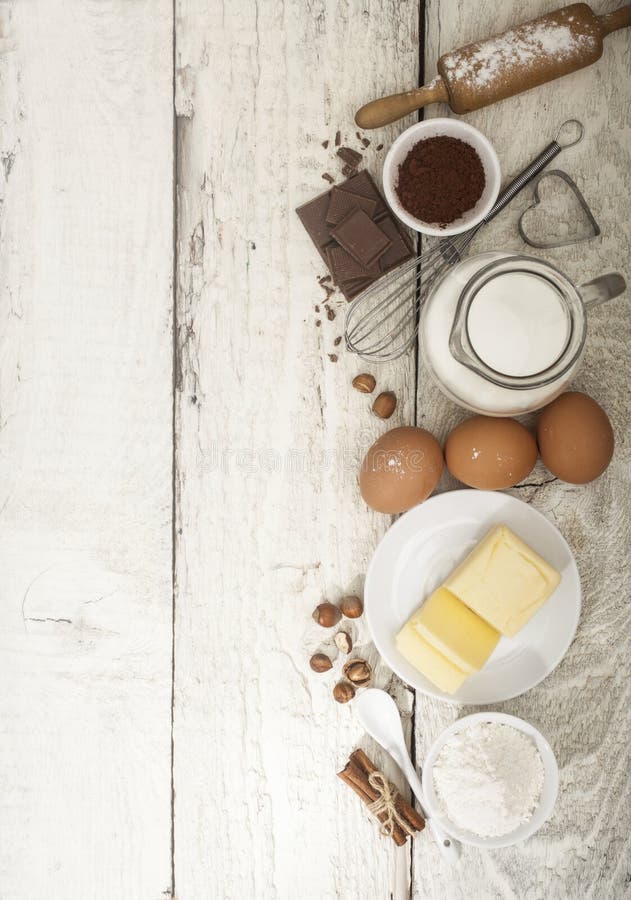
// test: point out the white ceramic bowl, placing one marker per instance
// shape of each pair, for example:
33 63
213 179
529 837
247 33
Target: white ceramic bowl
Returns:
549 791
435 128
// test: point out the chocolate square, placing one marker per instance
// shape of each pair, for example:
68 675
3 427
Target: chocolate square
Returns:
362 185
356 286
343 202
360 237
313 217
399 251
345 267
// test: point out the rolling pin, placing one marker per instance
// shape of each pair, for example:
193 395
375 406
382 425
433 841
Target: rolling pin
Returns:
516 60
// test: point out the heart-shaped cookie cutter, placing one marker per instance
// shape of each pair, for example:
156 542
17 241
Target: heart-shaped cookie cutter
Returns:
564 242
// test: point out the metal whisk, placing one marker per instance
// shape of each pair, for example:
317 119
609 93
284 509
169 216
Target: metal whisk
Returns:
382 322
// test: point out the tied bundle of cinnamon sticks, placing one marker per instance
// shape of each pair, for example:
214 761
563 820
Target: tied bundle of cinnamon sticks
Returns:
398 819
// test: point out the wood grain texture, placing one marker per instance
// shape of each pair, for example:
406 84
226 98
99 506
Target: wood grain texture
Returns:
269 434
583 706
269 520
85 449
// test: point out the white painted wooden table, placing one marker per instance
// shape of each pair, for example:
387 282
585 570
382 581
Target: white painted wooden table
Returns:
178 457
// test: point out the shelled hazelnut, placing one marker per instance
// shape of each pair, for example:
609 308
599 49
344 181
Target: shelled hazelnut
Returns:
343 642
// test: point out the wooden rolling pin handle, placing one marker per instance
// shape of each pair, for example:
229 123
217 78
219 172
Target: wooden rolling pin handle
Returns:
396 106
619 18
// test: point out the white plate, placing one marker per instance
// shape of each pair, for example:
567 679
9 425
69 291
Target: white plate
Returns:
425 545
549 790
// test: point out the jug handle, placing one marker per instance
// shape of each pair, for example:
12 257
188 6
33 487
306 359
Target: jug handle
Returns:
601 289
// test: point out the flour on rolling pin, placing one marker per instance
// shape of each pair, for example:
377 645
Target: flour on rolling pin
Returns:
517 60
521 58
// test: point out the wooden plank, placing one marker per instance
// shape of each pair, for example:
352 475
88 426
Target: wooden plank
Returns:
270 433
582 706
85 449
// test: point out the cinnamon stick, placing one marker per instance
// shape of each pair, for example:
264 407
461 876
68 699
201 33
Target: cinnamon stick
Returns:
350 776
405 809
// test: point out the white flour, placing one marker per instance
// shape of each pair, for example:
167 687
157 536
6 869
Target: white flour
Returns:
488 778
481 64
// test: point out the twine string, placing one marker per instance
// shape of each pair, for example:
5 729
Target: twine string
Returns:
384 807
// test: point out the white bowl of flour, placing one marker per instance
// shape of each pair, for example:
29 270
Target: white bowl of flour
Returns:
491 780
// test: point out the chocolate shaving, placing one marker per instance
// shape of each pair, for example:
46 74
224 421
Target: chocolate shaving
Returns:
325 144
350 156
338 138
328 290
333 357
329 178
365 142
337 341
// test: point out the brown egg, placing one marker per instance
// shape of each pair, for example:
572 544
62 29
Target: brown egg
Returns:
575 438
401 469
489 453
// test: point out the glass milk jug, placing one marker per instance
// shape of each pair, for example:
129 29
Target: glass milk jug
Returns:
503 334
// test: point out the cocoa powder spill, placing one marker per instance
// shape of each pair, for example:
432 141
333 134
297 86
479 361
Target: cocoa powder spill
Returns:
440 179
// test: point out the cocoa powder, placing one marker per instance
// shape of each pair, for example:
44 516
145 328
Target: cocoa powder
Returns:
440 179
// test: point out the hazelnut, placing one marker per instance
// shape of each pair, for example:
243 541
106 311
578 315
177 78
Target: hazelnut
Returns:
352 607
343 642
343 692
385 405
358 671
320 662
364 383
327 615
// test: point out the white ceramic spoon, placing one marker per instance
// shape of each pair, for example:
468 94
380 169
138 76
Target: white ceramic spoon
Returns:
380 717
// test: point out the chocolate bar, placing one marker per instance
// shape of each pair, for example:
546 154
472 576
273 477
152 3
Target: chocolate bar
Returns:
355 233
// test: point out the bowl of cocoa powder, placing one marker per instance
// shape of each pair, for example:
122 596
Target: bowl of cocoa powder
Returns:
441 177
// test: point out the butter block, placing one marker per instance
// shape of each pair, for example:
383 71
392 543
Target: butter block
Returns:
503 580
436 667
455 631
